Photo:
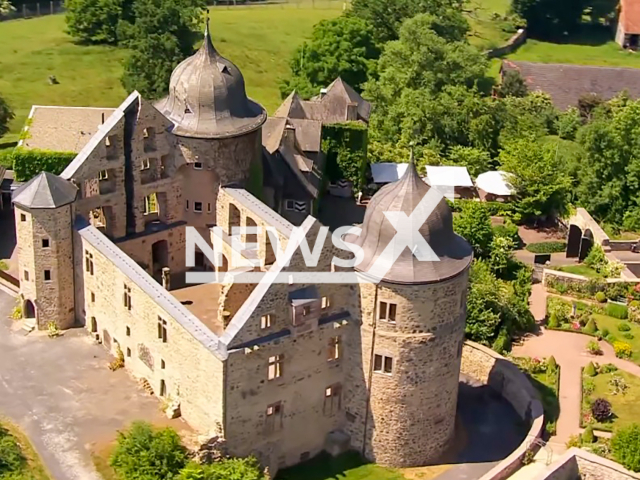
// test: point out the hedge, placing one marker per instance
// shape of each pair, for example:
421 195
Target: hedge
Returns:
345 145
547 247
27 163
495 209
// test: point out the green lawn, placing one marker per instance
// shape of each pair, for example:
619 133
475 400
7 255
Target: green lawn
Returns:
579 270
348 466
258 39
485 33
611 324
624 406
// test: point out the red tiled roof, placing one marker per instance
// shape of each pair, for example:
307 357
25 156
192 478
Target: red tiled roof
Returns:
630 16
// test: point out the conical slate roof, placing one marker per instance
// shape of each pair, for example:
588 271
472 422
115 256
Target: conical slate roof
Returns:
453 252
45 190
207 97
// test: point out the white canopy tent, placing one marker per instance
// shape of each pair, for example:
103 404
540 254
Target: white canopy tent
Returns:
448 176
495 183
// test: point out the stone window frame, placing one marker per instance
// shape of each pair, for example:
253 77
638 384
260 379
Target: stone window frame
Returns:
103 175
195 207
266 321
151 205
383 364
196 167
332 399
162 329
163 365
208 207
187 205
273 417
128 352
23 217
25 275
334 348
275 366
145 164
325 302
128 331
93 297
46 243
126 297
47 275
88 262
387 311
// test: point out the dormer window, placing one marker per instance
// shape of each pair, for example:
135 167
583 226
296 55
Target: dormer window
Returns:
103 175
187 110
305 303
223 68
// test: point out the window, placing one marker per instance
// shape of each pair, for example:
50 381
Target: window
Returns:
88 261
108 141
382 364
128 331
187 205
151 204
146 164
208 208
306 310
45 243
290 205
332 399
162 329
197 206
47 275
128 352
265 321
23 217
127 297
93 297
335 348
25 275
162 364
103 175
273 419
387 311
197 166
275 366
325 303
163 388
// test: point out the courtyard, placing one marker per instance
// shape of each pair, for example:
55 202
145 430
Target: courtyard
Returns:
62 395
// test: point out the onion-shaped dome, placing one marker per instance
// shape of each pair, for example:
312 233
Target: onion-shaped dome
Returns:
453 252
207 97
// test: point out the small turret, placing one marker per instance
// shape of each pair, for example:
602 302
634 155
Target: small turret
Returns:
45 249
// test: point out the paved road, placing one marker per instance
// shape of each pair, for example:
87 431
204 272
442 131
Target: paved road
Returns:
61 393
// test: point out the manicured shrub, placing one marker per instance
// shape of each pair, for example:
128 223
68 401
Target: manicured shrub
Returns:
27 163
623 327
590 370
625 445
591 327
601 409
608 368
156 452
616 310
502 344
547 247
553 321
601 297
611 338
508 230
593 348
622 349
628 335
588 436
604 333
552 364
574 441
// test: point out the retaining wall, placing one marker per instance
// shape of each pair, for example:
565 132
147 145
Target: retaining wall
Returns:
577 463
489 367
512 44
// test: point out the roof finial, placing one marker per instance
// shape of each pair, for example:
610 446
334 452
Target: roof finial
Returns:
412 160
206 23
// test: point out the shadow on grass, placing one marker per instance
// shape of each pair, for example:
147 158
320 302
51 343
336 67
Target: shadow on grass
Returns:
587 35
349 465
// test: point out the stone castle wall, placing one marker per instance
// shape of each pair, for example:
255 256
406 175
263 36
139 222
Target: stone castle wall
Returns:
578 463
410 416
189 371
52 298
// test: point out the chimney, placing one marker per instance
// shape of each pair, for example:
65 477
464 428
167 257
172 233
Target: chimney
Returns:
166 278
289 136
323 92
352 111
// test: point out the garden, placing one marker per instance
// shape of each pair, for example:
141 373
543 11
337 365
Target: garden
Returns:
544 375
607 322
610 397
18 459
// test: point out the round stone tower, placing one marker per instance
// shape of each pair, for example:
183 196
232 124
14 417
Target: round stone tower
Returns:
413 321
43 214
216 125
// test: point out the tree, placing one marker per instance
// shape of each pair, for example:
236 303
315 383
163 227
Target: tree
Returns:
340 47
149 66
475 159
387 16
94 21
225 469
473 223
6 115
6 8
512 84
568 123
625 444
548 18
540 184
501 254
145 453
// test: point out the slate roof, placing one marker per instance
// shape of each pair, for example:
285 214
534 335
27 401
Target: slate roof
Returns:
630 16
63 129
567 83
453 252
207 97
45 190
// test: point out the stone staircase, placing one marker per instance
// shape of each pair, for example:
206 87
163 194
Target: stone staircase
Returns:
28 325
146 386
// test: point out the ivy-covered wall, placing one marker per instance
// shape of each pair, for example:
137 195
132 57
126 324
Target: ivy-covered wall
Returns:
27 163
345 145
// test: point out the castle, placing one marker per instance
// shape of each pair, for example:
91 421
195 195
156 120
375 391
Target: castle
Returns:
277 370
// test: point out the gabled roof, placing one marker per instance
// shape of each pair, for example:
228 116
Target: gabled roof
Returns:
45 190
308 134
630 16
291 107
567 83
448 176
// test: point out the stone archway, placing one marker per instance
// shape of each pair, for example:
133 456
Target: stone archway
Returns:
234 218
28 309
586 242
573 241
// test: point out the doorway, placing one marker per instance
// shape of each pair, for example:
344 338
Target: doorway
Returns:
159 256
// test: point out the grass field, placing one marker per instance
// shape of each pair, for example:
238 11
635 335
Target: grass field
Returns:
611 324
258 39
579 270
484 31
624 406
